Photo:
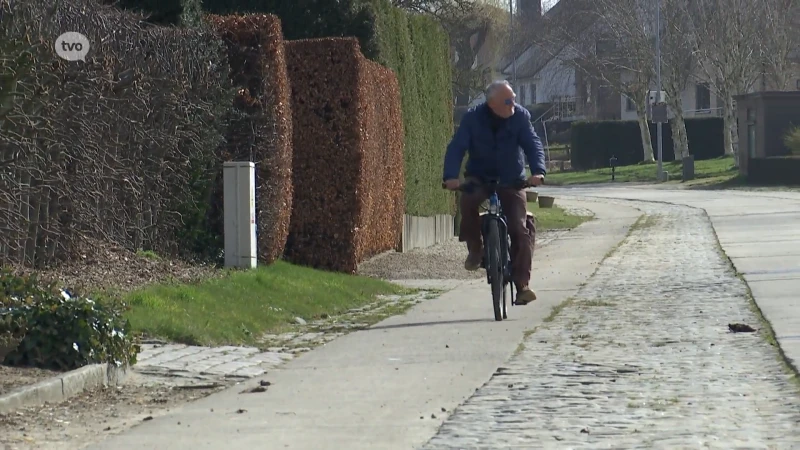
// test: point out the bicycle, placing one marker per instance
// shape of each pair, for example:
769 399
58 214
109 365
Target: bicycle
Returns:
496 244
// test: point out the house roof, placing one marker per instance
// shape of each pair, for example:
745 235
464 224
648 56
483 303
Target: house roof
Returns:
543 53
540 57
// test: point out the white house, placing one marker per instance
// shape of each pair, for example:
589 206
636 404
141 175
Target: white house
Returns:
697 98
545 79
550 82
547 82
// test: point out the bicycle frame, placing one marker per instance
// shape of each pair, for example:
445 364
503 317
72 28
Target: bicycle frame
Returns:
495 213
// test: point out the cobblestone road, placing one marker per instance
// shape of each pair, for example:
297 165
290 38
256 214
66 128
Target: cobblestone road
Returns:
641 358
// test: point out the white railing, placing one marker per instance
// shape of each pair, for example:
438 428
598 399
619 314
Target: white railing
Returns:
711 112
564 107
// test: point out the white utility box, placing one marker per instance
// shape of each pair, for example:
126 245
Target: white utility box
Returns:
239 192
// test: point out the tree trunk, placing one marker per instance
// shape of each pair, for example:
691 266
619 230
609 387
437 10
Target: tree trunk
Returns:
680 141
730 133
644 128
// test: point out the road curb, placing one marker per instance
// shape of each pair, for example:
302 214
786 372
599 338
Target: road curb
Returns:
62 387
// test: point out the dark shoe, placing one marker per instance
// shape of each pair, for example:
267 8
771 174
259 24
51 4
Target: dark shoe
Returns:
473 261
525 296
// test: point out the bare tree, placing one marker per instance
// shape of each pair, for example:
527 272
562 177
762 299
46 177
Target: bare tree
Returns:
726 36
780 42
677 67
611 45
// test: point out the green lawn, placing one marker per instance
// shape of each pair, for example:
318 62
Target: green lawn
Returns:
554 218
243 305
719 168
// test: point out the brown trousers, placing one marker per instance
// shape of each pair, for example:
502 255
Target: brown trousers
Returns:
521 230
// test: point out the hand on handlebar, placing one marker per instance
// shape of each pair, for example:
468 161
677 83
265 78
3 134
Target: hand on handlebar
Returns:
457 185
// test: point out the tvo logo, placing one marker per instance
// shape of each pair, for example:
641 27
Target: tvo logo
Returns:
72 46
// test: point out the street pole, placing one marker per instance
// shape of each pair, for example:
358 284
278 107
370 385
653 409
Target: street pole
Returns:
660 174
511 37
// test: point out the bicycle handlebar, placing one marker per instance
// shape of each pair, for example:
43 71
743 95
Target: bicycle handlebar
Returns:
469 185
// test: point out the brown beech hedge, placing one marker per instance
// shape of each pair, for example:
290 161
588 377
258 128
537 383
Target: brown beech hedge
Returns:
348 174
260 124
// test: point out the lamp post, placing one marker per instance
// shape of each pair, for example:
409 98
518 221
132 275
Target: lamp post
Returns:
660 167
511 38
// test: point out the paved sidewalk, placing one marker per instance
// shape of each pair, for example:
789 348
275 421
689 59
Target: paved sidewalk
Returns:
759 231
392 386
641 359
196 365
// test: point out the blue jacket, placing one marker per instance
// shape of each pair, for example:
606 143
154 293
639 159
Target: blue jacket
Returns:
492 154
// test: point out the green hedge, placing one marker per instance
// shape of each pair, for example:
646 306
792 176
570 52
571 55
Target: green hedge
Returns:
778 170
593 143
415 47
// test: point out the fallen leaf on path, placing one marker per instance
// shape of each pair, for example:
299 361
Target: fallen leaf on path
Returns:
254 390
740 328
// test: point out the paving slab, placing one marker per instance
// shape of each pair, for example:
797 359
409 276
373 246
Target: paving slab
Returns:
392 386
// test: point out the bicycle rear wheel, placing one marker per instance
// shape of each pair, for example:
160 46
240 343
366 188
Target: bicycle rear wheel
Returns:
494 267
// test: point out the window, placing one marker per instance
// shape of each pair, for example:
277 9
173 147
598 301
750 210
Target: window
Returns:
702 96
533 94
522 97
629 104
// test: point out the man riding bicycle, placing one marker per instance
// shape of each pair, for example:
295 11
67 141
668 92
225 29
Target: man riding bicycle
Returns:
495 134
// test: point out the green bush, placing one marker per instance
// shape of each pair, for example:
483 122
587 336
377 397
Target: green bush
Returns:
775 170
61 331
425 157
418 50
593 143
792 140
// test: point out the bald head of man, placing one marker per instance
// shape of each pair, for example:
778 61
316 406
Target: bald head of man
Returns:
500 99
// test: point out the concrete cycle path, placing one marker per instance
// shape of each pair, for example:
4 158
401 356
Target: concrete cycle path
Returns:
758 230
391 386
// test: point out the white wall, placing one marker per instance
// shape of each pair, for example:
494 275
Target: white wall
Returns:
688 99
526 85
556 79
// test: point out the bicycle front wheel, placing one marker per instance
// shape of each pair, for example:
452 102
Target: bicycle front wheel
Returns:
494 266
